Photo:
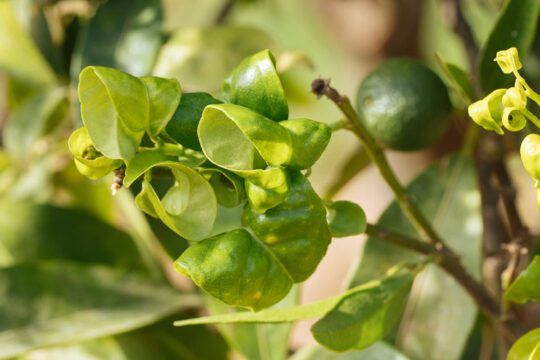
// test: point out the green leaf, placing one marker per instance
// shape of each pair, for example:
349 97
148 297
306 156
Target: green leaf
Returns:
526 347
183 126
188 208
447 194
228 187
32 232
527 285
201 57
363 318
458 79
295 313
345 218
115 110
123 34
377 351
295 231
57 303
255 341
164 96
240 140
142 162
237 269
515 27
309 140
255 84
88 160
262 199
35 118
19 56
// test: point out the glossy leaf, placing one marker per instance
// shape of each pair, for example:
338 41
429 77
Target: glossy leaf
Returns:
188 208
142 162
115 110
526 347
32 232
363 318
57 303
309 140
200 58
345 218
164 96
516 27
261 198
123 34
527 285
377 351
88 160
295 231
447 194
255 84
237 269
240 140
35 118
183 126
228 187
19 56
255 341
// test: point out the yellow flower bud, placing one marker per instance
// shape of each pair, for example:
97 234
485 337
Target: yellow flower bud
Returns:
513 119
508 60
530 155
488 111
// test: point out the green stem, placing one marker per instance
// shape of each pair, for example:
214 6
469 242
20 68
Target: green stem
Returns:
338 125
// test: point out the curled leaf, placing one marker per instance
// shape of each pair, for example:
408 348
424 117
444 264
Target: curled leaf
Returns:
255 84
115 110
228 187
164 96
309 139
88 160
345 218
488 111
261 198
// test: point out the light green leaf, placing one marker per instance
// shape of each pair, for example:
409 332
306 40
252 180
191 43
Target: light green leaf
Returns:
228 187
123 34
526 347
515 27
295 231
19 56
164 96
35 118
361 319
447 194
240 140
309 140
32 232
237 269
261 199
188 208
291 314
115 110
88 160
142 162
200 58
57 303
255 84
345 218
183 126
377 351
527 285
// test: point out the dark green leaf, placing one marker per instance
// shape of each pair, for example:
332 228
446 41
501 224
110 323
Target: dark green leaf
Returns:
447 194
255 84
309 139
345 218
459 80
33 119
123 34
32 232
526 347
237 269
19 56
183 126
58 303
164 96
515 27
527 285
200 58
115 110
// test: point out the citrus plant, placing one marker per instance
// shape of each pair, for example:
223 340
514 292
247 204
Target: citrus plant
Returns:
214 188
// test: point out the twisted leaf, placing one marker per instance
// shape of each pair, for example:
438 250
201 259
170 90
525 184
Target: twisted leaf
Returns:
309 139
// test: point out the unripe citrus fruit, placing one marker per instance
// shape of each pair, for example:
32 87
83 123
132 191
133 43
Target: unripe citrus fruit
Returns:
404 104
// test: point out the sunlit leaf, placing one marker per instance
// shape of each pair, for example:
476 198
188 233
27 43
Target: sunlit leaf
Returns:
526 347
527 285
345 218
377 351
164 96
309 140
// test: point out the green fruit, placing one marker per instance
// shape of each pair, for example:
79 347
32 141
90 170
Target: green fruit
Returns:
404 104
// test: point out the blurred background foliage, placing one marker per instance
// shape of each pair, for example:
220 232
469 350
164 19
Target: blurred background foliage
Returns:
84 275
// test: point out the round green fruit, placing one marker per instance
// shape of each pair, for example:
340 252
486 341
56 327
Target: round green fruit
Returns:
404 104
